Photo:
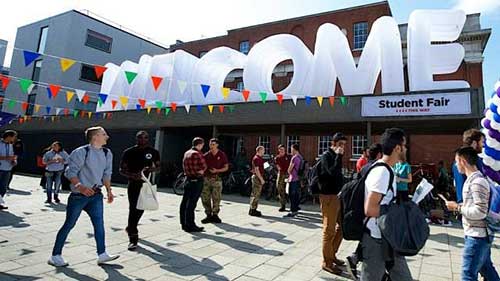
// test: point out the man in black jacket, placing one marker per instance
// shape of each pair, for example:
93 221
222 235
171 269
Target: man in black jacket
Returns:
330 182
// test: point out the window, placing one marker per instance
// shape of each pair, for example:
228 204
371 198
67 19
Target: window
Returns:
360 34
358 144
244 47
266 143
202 53
291 140
36 71
87 73
43 39
98 41
35 77
31 103
240 86
324 142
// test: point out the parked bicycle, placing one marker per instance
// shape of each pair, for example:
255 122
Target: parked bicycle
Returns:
179 184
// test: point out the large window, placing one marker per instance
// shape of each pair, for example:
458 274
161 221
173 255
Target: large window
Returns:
87 73
324 142
358 144
98 41
291 140
265 141
360 34
244 47
43 39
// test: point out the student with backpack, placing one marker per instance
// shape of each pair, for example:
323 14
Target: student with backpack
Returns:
54 159
474 211
296 163
331 180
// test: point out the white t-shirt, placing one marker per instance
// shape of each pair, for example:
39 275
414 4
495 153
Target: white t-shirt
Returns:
378 181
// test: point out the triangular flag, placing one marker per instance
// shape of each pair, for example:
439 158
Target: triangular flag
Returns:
89 114
263 96
124 101
5 81
225 93
199 108
66 112
156 82
69 96
130 76
82 113
99 70
21 120
11 104
25 85
182 85
54 89
49 93
159 105
343 100
37 108
101 99
58 110
210 108
221 108
320 101
246 94
66 64
294 99
280 98
113 104
332 100
205 89
29 57
75 113
308 100
167 110
149 109
187 107
142 103
174 106
231 107
24 106
138 107
85 99
47 108
80 94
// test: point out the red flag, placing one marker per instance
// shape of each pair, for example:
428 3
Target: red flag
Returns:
66 112
221 108
85 99
113 103
332 100
82 113
245 94
99 70
174 106
142 102
24 105
54 89
156 81
280 98
5 81
21 120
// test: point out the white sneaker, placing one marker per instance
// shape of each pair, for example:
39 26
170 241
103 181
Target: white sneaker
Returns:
104 258
57 261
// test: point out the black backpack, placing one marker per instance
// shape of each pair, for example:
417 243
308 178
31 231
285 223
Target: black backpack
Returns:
352 200
313 178
302 167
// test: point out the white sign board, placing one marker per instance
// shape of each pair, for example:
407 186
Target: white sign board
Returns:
416 105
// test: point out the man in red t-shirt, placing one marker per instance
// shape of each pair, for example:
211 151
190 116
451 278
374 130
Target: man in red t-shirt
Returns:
257 180
212 185
282 163
363 160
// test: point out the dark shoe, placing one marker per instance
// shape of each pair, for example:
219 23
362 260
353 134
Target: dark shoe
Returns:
193 229
338 262
56 199
2 207
254 213
132 246
282 209
332 269
216 219
351 268
206 220
48 201
290 215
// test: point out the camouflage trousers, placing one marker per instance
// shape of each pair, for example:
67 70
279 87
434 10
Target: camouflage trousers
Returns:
281 186
211 195
256 190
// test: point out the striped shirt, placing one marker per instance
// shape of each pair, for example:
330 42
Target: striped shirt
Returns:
476 196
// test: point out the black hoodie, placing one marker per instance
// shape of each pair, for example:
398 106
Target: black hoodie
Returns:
331 179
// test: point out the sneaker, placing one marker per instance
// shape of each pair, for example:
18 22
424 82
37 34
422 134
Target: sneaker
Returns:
206 220
57 261
254 213
216 219
194 229
282 209
2 207
48 201
105 257
332 269
447 223
290 215
56 199
351 268
132 246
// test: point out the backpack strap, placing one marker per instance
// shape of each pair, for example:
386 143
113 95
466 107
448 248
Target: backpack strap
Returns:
87 149
391 174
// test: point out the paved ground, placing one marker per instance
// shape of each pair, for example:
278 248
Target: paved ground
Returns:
242 248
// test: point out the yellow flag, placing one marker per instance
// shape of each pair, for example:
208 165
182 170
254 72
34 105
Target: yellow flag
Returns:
66 64
149 109
124 101
90 114
320 101
37 108
69 95
210 108
225 93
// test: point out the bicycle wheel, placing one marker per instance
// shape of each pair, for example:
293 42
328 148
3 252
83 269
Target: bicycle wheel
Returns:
179 184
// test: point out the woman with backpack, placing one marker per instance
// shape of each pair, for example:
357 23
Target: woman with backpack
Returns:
55 159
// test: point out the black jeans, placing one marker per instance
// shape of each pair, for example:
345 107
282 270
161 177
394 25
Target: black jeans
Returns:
134 215
192 193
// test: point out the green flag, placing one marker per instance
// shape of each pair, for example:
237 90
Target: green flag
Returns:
263 96
25 85
130 76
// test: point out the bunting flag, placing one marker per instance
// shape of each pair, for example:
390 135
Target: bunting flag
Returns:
99 70
308 100
294 99
101 98
320 101
159 105
66 112
29 57
49 93
187 107
225 93
58 110
130 76
82 113
211 108
221 108
37 108
113 104
142 103
332 100
148 109
199 108
5 81
85 99
263 96
231 107
205 89
80 94
75 113
280 98
167 111
343 100
54 89
89 114
53 118
182 86
24 106
124 101
69 96
246 94
11 104
25 85
156 82
47 108
138 107
66 64
174 106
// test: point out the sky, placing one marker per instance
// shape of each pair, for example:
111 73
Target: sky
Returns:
186 20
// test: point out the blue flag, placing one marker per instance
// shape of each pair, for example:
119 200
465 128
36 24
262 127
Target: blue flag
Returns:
205 89
29 57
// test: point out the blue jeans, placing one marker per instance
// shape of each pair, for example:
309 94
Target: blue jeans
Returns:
4 182
477 258
55 179
192 192
94 207
294 193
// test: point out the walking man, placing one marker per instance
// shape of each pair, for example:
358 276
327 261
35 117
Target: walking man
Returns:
194 167
89 169
282 163
138 159
7 161
294 181
257 181
211 195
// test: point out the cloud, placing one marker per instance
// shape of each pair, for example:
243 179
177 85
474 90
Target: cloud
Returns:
478 6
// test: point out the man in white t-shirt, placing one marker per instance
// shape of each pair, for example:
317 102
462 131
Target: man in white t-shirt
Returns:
377 192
